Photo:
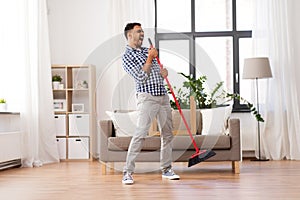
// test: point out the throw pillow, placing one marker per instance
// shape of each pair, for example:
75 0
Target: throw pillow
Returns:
124 122
215 120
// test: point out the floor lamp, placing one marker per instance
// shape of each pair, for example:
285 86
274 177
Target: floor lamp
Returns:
257 68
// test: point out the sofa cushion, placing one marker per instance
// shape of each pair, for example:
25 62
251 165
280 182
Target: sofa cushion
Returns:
221 142
122 143
179 143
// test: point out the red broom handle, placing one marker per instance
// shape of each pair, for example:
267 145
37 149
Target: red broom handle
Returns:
177 104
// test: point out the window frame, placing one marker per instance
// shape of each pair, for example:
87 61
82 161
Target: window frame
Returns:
234 33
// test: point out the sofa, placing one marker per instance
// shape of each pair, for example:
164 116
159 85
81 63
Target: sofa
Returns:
226 146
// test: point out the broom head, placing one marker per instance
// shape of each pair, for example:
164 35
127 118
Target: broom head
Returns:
200 157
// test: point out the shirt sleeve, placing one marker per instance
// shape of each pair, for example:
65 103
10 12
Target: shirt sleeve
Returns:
134 69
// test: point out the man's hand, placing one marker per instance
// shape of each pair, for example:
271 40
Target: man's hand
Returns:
164 72
152 53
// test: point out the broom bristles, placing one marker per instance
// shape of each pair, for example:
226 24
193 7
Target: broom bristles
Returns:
200 157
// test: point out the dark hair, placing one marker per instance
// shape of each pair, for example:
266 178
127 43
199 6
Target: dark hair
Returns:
129 27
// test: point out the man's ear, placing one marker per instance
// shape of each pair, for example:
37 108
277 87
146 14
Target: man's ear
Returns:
129 34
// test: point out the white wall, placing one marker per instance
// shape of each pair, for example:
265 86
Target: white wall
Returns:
77 28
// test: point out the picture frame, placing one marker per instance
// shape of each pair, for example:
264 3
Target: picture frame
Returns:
59 105
77 107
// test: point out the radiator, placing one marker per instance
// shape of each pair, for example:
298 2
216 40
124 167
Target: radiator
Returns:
10 164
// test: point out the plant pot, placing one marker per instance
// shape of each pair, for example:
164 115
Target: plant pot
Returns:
178 124
3 106
55 85
85 85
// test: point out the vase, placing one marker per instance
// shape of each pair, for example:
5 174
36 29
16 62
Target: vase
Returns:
3 106
55 85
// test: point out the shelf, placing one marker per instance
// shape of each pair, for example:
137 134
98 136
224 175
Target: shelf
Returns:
70 89
59 90
9 113
77 89
70 136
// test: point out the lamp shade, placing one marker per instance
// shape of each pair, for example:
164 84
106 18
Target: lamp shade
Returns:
257 68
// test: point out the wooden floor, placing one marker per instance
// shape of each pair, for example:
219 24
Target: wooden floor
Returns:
83 180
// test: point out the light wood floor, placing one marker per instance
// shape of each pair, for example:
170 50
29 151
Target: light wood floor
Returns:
83 180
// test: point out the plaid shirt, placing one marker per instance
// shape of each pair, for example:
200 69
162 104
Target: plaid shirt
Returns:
133 61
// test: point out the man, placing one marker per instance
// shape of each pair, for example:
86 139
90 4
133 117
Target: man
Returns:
152 101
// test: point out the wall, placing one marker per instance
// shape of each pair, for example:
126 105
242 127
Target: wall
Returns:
77 28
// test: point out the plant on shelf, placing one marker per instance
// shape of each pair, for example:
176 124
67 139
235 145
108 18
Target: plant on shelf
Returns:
218 97
85 84
3 105
2 101
56 78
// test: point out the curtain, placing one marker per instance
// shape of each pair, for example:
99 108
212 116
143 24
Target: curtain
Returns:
112 81
273 35
123 12
37 117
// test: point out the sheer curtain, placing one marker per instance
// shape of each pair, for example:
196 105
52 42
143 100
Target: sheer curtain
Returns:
273 37
112 81
37 117
123 12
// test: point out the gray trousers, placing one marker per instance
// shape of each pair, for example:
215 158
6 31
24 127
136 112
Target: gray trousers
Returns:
149 107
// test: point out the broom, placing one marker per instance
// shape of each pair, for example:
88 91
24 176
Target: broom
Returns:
199 155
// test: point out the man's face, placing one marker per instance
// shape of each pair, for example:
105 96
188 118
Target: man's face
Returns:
136 36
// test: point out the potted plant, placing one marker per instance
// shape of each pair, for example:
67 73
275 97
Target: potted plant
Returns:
56 80
85 84
218 97
3 105
213 104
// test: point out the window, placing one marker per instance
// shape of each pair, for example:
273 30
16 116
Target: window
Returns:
179 14
206 37
11 50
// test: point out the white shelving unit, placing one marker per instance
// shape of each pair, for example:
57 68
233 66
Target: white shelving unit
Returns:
74 106
10 140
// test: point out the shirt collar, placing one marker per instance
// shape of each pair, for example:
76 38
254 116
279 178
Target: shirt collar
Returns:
134 49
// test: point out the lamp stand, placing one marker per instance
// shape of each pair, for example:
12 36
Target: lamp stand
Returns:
258 126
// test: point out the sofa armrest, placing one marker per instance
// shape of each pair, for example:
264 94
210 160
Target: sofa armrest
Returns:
106 131
234 132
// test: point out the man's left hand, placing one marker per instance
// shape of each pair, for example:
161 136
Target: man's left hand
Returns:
164 72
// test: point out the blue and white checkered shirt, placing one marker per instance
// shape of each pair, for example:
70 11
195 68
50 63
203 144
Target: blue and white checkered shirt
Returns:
133 61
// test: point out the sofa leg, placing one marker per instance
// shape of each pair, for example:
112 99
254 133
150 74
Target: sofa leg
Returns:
111 167
236 167
103 168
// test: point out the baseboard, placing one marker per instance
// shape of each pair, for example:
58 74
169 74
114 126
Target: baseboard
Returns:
248 154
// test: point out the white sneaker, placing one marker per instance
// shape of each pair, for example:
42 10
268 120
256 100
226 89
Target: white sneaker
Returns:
170 174
127 178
